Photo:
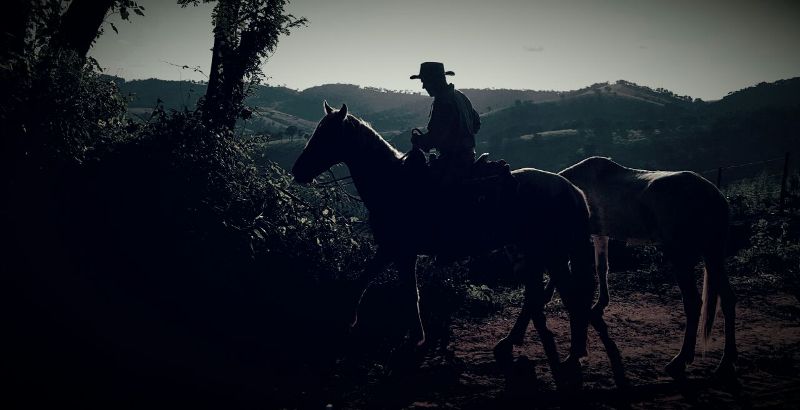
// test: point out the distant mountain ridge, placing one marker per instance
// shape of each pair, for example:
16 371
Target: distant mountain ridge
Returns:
637 125
386 109
177 94
781 93
506 112
648 128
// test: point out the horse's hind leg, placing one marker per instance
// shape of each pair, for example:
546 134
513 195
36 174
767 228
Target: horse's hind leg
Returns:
503 349
597 311
716 267
576 285
577 302
578 271
614 355
683 268
533 309
545 334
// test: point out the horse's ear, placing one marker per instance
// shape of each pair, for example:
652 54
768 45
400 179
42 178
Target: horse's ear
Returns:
343 111
328 108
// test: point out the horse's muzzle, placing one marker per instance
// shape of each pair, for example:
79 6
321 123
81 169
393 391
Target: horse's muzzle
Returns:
302 180
299 177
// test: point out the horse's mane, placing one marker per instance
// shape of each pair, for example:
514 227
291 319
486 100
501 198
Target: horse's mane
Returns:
370 139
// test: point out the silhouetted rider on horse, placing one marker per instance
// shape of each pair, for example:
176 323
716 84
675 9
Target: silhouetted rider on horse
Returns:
456 185
452 126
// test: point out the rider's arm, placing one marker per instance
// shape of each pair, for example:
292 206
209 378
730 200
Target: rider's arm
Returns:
476 118
440 125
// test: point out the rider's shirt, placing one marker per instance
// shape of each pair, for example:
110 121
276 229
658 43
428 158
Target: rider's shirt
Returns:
453 124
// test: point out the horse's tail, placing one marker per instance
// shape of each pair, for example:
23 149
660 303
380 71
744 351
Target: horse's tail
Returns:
714 274
581 250
710 301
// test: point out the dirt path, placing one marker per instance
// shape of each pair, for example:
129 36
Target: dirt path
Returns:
648 328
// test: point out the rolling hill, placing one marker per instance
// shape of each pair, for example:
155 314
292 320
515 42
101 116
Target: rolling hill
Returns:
648 128
640 126
386 110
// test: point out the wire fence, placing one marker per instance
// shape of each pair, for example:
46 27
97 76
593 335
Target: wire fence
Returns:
768 178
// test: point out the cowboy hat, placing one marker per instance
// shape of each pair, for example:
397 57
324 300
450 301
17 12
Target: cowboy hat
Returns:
431 70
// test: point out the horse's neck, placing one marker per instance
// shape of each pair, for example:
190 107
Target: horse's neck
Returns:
374 166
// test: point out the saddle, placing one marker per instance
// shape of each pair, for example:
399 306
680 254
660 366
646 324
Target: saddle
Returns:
482 177
487 176
457 210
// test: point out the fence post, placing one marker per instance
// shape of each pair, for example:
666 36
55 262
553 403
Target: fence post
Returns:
719 178
783 181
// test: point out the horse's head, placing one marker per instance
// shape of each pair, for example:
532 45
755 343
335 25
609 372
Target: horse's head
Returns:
324 149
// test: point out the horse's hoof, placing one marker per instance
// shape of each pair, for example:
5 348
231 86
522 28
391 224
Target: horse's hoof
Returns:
598 310
403 361
570 375
416 338
573 362
520 376
725 370
517 341
725 375
503 351
623 384
676 369
421 342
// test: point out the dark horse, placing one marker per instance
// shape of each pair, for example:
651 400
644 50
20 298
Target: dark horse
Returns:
683 212
546 218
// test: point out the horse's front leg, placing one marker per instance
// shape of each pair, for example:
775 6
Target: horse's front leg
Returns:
601 267
503 350
407 266
374 266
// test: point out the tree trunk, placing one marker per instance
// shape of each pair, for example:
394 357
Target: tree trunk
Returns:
219 107
242 35
14 22
80 24
14 76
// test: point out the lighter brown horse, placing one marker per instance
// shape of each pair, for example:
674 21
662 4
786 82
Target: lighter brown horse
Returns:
546 218
683 212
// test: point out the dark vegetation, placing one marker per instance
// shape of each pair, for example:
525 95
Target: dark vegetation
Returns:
150 261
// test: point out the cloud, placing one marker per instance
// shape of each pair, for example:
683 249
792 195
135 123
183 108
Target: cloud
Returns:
534 49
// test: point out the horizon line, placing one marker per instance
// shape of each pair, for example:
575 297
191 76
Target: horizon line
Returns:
413 92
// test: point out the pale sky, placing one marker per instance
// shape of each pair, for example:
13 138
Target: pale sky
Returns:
700 48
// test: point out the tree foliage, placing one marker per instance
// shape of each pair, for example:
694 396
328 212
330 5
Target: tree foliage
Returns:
245 33
54 102
55 26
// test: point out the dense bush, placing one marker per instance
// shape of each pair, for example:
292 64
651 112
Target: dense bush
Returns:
773 257
156 254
